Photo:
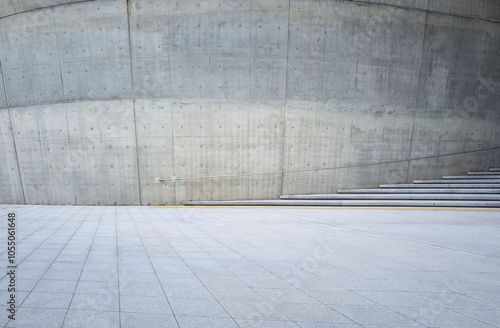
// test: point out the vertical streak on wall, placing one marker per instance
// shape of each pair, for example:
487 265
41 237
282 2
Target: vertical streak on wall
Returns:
282 155
172 128
66 115
12 129
133 102
422 49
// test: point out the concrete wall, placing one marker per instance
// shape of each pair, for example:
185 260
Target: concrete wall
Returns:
100 97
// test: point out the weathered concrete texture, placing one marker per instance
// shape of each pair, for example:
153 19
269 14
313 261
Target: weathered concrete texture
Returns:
81 153
107 95
12 7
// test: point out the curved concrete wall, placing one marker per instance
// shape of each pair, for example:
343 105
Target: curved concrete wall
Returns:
100 97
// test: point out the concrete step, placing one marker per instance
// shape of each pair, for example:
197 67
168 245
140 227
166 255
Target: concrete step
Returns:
482 173
471 177
420 191
459 181
495 169
328 203
475 197
446 185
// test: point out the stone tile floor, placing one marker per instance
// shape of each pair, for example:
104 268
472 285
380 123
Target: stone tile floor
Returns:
263 267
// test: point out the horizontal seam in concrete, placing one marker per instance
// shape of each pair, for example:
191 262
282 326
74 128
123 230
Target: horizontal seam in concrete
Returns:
12 130
331 168
362 2
453 209
41 8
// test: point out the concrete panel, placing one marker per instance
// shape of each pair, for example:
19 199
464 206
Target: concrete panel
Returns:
396 139
307 34
73 40
229 119
116 119
190 34
31 165
5 127
402 88
237 149
341 29
58 170
16 7
365 142
3 99
108 30
120 171
154 118
230 33
24 124
266 79
46 83
306 5
338 82
149 33
90 184
269 31
78 81
230 78
52 123
302 119
266 119
481 8
83 120
152 77
39 32
304 79
189 77
191 119
372 85
187 7
10 186
270 4
264 187
112 79
156 160
193 158
19 90
266 156
229 188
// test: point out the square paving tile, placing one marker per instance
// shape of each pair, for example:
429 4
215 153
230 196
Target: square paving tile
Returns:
85 319
48 300
95 302
142 304
40 318
196 322
150 320
197 307
240 267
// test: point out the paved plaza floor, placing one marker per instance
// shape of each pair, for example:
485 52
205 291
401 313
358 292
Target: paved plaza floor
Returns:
251 267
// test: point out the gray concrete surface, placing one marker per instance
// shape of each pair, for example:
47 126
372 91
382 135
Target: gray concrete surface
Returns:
443 185
412 202
453 196
420 191
98 98
431 196
459 181
484 175
179 267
